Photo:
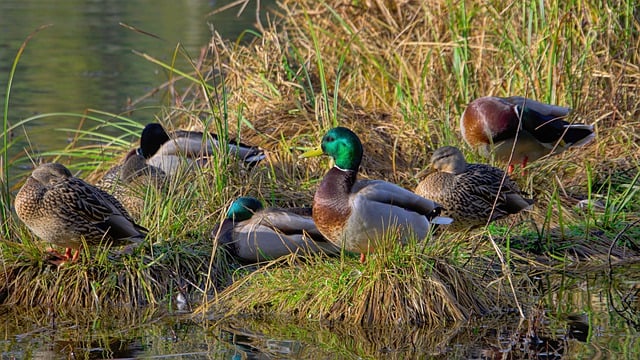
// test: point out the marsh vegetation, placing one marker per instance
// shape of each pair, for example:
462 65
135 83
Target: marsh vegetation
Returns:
399 74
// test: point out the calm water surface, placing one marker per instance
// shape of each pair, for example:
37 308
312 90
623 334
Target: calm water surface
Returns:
583 316
86 59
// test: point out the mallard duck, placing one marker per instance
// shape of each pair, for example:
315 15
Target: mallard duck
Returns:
62 209
128 180
356 214
254 233
169 151
492 124
471 194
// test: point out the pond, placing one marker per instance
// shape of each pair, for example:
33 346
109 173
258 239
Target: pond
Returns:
587 315
86 55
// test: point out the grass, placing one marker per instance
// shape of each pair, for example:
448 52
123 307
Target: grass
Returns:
399 76
395 286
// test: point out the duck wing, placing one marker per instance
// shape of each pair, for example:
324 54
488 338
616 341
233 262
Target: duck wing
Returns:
392 194
539 107
288 222
99 209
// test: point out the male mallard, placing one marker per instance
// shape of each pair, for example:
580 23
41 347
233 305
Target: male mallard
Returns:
127 182
493 124
356 215
255 234
168 151
62 209
471 194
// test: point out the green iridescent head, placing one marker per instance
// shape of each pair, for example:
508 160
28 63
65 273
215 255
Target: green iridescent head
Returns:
243 208
344 146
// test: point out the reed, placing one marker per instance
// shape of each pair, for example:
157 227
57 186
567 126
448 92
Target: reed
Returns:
399 76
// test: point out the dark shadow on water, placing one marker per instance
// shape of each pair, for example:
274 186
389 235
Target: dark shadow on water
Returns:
567 316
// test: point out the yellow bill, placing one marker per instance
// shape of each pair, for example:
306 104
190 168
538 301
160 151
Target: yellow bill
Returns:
312 153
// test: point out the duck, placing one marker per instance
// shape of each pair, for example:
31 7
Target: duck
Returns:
129 180
471 194
355 214
169 151
65 210
491 125
254 233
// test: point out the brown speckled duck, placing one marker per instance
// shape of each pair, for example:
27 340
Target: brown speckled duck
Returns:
62 209
129 181
356 214
253 233
490 125
468 192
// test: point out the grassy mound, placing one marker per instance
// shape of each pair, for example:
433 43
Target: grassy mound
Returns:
399 75
399 285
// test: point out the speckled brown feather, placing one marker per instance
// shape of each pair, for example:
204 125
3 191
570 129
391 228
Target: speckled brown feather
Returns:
62 209
468 191
129 180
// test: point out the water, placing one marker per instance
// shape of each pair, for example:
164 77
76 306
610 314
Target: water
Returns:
582 316
85 59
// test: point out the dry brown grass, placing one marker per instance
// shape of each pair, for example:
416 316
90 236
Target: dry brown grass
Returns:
399 73
390 290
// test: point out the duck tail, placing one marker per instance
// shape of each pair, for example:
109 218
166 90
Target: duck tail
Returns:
249 154
142 231
578 134
516 203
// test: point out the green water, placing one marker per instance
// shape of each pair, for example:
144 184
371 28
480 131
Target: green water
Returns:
86 58
582 316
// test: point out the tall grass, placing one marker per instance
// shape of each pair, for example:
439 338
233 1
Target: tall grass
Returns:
5 195
399 285
400 76
178 254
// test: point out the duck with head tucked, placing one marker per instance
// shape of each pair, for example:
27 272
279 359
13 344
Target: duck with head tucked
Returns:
129 181
493 124
171 150
62 209
472 194
253 233
356 214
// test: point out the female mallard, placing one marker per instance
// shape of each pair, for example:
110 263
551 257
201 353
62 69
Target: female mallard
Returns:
492 124
471 194
129 181
255 234
63 210
356 215
169 151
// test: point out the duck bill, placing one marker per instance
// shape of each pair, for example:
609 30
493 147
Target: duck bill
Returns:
312 153
424 173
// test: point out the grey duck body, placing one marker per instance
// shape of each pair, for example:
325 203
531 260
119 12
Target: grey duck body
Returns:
62 209
182 149
253 233
468 192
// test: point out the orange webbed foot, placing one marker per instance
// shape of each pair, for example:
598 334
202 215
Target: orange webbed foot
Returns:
58 259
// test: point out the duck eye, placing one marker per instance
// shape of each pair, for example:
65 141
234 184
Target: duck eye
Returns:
330 138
